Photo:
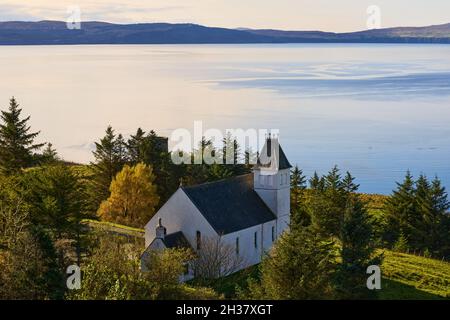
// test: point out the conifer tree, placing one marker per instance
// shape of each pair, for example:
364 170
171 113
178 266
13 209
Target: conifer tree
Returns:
135 146
16 141
357 252
300 266
437 220
348 183
49 155
299 212
316 183
109 160
401 211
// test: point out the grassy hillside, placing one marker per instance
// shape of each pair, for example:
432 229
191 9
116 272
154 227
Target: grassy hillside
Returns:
412 277
405 277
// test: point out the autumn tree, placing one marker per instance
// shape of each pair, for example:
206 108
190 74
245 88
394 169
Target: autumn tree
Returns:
133 197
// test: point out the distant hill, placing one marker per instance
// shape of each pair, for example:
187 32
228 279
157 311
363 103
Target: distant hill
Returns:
56 32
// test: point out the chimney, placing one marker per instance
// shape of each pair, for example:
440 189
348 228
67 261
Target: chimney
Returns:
160 230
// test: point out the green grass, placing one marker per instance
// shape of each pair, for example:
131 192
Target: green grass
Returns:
408 273
405 277
114 228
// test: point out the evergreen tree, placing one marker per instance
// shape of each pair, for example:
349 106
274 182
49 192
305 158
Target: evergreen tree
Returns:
357 252
16 141
300 266
328 205
437 221
316 183
57 199
401 212
348 183
423 204
49 155
109 160
299 211
135 147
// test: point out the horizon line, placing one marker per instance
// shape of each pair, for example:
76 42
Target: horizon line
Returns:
230 28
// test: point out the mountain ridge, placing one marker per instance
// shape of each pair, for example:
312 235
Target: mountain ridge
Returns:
48 32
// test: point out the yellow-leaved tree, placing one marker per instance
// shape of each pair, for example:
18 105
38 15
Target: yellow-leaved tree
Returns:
133 197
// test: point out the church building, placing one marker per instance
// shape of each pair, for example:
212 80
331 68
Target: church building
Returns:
248 212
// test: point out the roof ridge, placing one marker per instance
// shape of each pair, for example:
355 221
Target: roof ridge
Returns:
217 181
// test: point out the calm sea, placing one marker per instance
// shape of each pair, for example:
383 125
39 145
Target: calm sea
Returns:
375 110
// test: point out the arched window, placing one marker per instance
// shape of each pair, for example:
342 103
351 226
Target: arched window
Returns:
237 246
199 240
273 233
256 239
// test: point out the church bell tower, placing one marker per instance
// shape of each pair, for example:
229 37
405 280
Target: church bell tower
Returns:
272 181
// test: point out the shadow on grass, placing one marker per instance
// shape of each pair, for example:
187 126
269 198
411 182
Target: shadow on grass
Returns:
394 290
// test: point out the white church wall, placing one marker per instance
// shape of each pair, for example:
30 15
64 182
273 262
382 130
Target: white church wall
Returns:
179 214
250 254
268 240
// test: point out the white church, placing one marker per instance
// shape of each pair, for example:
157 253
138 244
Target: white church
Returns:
248 212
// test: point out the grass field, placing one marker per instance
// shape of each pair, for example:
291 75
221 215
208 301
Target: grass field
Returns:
413 277
405 277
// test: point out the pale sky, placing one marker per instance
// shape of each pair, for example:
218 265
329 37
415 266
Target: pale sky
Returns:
326 15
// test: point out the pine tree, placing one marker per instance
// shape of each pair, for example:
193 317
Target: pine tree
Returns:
316 183
401 211
421 240
135 146
401 245
49 155
357 252
299 213
333 180
438 220
300 266
332 202
348 183
16 140
109 160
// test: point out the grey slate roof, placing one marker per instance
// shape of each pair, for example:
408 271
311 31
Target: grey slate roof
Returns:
272 155
230 205
176 240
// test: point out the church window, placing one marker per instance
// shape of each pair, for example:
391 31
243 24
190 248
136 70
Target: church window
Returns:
199 240
256 239
273 233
